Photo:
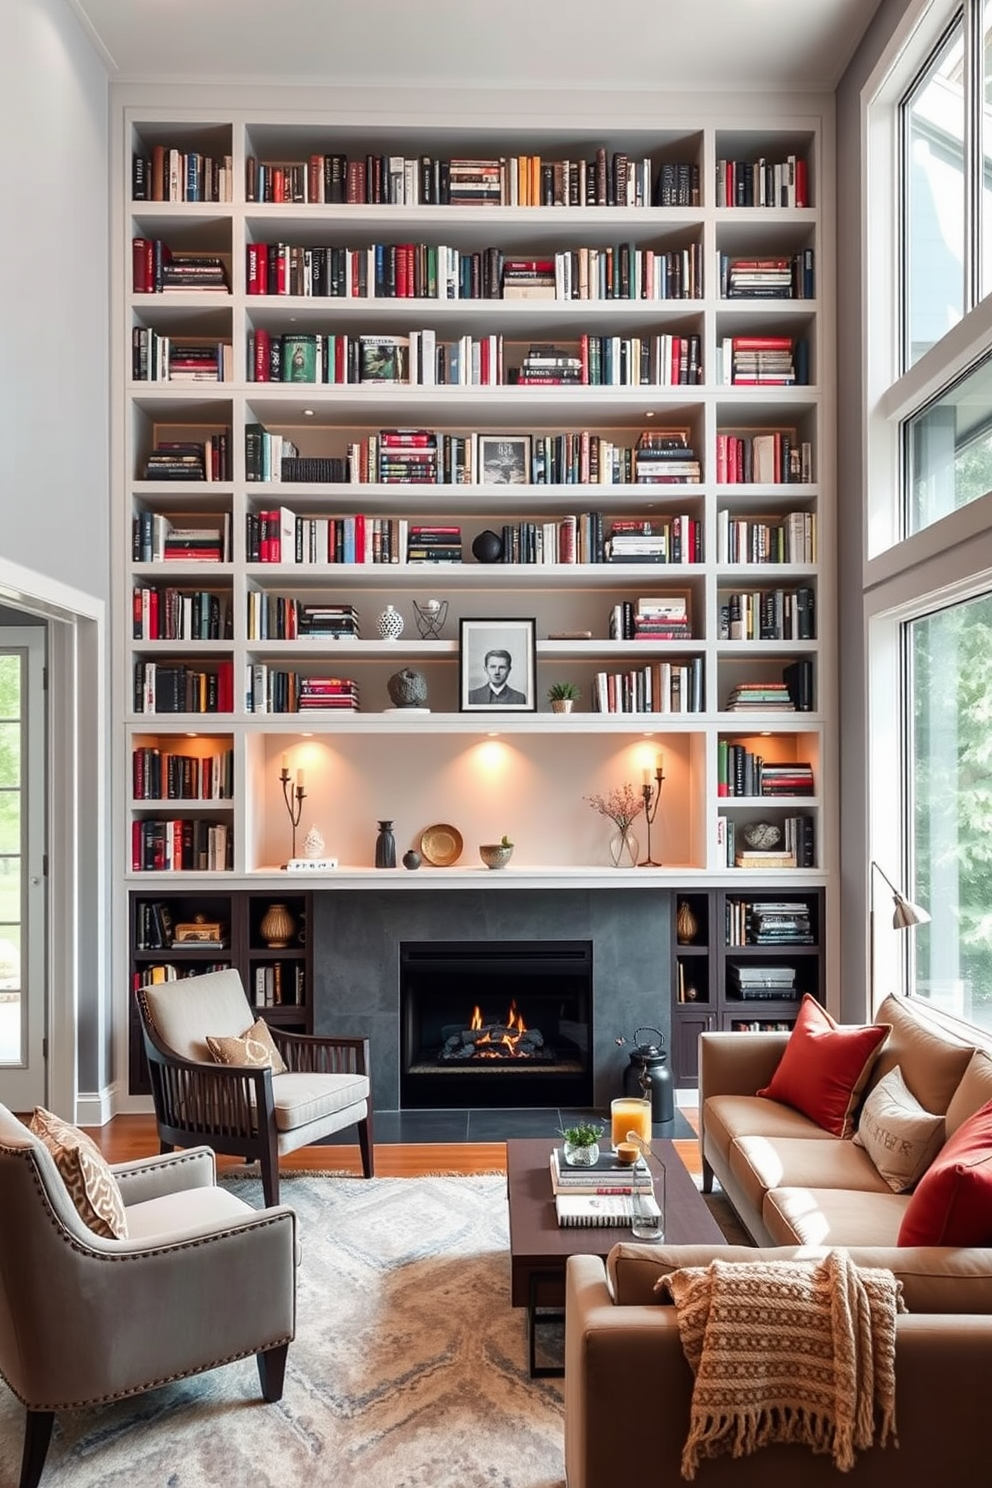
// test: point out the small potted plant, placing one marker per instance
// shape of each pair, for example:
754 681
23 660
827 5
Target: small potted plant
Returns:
561 696
581 1149
496 854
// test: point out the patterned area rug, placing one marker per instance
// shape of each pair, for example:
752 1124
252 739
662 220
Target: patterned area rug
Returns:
409 1367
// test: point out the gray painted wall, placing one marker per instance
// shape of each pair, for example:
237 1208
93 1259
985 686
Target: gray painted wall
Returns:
54 337
851 482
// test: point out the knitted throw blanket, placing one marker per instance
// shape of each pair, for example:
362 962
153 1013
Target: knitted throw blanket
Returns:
787 1351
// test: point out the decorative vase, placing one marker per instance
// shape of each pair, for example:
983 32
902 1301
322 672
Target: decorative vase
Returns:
561 705
277 926
390 624
385 846
411 859
624 848
487 547
686 924
580 1157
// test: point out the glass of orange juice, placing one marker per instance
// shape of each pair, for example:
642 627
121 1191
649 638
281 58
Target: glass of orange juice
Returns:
629 1113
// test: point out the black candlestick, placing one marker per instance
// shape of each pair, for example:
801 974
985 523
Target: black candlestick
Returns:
294 796
652 796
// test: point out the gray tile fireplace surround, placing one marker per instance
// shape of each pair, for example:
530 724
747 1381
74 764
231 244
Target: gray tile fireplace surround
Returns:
356 956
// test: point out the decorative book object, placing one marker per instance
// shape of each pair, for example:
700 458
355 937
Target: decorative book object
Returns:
598 1210
605 1176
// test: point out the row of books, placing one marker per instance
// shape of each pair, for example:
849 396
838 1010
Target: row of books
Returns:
768 615
191 460
155 929
170 971
742 772
421 359
157 269
278 690
279 618
279 985
155 538
167 614
280 536
762 182
167 173
773 457
767 922
651 617
177 688
783 277
791 538
602 179
158 774
181 844
437 271
158 358
762 361
658 687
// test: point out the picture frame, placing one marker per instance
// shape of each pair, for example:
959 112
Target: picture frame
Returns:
497 665
504 459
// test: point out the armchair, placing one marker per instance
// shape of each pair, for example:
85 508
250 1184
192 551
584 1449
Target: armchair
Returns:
245 1111
86 1320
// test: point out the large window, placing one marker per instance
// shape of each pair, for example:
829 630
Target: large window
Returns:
949 676
948 449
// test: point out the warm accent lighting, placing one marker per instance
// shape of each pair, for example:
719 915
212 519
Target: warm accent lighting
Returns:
905 915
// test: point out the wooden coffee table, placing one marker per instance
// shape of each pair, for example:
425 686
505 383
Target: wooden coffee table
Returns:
540 1247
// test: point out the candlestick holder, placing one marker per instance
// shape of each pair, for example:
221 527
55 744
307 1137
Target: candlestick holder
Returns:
652 797
294 796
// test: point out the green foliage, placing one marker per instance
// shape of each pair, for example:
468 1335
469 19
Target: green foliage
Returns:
559 691
504 841
583 1134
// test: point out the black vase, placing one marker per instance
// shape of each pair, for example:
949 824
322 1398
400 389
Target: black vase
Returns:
411 859
488 547
385 846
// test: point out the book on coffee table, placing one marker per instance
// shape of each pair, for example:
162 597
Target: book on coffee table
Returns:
604 1176
599 1209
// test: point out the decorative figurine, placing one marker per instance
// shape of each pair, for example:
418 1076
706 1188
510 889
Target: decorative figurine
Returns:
390 623
313 844
431 616
408 689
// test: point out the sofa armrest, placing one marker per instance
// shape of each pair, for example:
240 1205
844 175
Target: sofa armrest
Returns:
737 1064
172 1172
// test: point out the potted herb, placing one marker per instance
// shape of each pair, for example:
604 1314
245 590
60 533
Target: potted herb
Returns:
561 696
581 1149
496 854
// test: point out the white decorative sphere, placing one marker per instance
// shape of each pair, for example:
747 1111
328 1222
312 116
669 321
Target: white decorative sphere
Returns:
390 624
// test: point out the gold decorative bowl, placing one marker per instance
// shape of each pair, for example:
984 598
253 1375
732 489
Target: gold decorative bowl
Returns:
495 854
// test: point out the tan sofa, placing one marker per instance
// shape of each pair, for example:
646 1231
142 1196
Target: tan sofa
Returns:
797 1190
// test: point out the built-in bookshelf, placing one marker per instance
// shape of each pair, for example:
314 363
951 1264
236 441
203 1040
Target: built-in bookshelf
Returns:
474 370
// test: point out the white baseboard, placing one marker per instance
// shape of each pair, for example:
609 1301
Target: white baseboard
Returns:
95 1107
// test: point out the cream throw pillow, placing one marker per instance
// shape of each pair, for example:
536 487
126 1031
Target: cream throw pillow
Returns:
899 1136
253 1049
85 1172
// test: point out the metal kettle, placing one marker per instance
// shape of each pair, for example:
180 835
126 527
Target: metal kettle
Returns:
647 1075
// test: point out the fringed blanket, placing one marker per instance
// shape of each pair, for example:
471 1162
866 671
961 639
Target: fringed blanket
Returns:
787 1351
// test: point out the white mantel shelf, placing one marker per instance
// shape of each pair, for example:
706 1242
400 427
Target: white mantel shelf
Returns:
674 876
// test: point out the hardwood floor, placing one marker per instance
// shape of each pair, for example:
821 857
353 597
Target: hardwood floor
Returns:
128 1137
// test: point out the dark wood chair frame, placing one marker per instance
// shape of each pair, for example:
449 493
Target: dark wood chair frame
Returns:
231 1108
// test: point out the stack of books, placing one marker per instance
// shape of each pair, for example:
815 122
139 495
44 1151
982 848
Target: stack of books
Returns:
337 621
760 697
339 693
663 617
664 457
764 858
605 1176
779 922
407 456
434 544
529 279
546 365
761 983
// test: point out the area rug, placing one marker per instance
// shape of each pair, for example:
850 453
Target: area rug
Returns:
409 1367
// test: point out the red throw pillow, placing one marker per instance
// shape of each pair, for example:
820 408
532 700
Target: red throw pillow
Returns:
824 1067
952 1203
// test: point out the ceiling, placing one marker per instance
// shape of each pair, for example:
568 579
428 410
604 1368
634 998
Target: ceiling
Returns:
708 45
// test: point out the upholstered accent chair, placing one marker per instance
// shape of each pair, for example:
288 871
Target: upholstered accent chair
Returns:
247 1110
86 1320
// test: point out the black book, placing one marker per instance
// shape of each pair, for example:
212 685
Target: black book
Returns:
798 678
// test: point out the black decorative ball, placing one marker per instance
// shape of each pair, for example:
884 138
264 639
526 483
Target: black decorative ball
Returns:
488 547
411 859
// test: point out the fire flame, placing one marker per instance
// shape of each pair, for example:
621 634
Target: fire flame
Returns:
507 1042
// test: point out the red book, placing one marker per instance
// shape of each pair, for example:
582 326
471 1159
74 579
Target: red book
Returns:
136 863
225 687
142 266
802 188
263 350
258 268
762 343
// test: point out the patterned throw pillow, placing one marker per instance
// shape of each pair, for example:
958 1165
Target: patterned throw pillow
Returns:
253 1049
899 1136
85 1172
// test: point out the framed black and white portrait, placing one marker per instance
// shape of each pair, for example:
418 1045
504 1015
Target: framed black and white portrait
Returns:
498 666
504 459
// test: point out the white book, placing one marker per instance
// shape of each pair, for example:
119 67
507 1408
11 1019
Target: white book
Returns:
599 1210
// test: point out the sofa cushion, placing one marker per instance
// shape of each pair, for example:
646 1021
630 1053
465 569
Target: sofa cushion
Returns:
833 1216
252 1049
934 1279
188 1209
300 1098
726 1117
760 1163
974 1091
899 1136
933 1057
87 1175
825 1066
952 1204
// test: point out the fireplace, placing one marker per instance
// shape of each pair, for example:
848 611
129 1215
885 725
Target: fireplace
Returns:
495 1023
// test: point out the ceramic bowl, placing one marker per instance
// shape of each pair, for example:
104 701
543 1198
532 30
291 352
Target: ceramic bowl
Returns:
495 855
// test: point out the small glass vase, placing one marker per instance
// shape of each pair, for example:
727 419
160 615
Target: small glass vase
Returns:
581 1157
624 848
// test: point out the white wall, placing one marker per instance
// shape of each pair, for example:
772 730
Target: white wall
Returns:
54 296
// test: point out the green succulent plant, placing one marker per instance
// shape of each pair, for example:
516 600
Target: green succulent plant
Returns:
504 841
583 1134
560 691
